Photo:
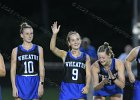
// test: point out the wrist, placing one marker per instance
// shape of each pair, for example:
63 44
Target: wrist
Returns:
113 79
55 34
41 82
87 86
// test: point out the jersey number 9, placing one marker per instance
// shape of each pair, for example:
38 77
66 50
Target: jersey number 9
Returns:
74 74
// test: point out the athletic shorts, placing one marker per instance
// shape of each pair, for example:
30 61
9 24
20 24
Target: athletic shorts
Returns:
71 91
108 90
136 91
27 86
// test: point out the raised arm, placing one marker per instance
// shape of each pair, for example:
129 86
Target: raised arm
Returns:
2 67
96 85
132 55
53 48
120 81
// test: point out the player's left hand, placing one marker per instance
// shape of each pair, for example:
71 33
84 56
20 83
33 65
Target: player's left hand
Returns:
85 90
110 74
40 90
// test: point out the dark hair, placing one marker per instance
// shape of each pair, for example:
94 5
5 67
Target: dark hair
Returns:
107 49
68 36
23 26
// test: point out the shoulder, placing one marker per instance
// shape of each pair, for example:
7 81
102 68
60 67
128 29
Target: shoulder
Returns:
14 49
95 64
14 52
95 67
119 64
118 61
87 57
40 47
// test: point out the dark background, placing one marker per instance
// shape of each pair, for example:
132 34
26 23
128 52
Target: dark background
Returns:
100 20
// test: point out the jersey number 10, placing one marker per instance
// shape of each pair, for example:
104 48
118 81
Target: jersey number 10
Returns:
29 68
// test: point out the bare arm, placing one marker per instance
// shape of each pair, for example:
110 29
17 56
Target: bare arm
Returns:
2 67
132 55
88 75
53 48
41 72
95 70
41 64
13 67
120 81
88 71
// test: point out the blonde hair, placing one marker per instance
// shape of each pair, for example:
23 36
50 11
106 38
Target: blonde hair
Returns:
107 49
68 36
23 26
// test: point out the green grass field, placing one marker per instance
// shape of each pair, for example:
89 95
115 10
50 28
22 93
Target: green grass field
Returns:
50 93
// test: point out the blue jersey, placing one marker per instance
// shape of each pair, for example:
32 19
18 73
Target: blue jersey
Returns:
74 77
27 61
111 88
136 90
27 79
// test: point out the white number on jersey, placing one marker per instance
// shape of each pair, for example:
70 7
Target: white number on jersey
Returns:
74 74
29 68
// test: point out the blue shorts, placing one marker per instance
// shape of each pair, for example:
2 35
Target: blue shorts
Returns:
71 91
27 87
108 90
136 91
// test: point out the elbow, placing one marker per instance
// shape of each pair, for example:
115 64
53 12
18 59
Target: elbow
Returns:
95 88
122 86
3 74
52 48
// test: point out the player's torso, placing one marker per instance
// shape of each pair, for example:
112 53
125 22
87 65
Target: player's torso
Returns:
75 69
104 74
27 60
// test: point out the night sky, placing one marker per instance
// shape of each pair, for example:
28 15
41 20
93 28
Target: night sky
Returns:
100 20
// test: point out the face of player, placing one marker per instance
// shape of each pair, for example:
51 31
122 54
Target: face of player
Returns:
27 35
104 58
75 41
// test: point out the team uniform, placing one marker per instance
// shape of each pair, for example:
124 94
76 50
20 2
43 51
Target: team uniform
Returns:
136 95
74 77
110 88
27 72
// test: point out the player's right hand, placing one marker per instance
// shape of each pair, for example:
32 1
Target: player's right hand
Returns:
105 80
15 92
55 28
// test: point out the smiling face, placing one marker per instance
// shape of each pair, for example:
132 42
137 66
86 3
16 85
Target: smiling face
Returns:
27 35
103 58
74 41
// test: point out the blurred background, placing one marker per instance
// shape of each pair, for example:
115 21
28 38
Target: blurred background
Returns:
113 21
